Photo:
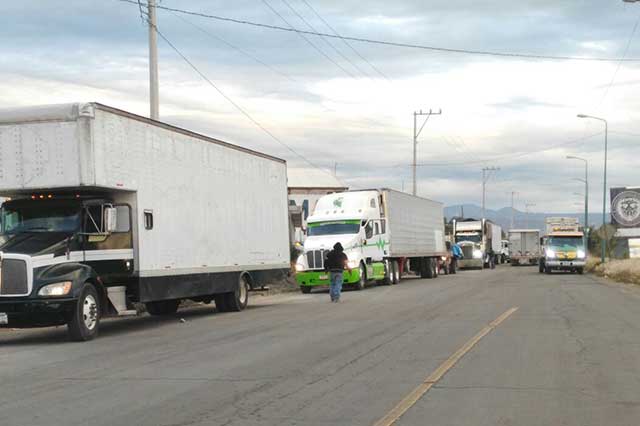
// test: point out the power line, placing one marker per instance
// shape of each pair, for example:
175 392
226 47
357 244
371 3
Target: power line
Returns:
309 42
324 39
624 54
392 43
238 49
346 42
232 102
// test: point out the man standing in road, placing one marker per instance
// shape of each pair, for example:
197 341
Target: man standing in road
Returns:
336 263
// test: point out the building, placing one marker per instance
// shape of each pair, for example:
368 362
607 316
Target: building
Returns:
306 186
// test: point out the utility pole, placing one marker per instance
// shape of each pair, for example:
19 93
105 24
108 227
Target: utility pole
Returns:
154 97
485 178
335 168
416 133
513 210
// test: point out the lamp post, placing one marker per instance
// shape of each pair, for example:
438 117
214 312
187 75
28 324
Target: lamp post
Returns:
604 185
586 197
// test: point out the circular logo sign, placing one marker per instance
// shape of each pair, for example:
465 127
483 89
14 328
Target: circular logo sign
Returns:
625 208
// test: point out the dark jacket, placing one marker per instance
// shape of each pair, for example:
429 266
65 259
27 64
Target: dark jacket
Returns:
336 261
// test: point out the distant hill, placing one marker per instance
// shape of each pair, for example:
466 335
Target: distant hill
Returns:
521 220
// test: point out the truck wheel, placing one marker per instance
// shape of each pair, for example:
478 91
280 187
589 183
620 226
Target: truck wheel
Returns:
85 319
306 289
580 271
426 268
547 270
162 307
239 299
388 273
395 274
362 282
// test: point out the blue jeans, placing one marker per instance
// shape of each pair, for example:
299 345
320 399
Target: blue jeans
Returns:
336 284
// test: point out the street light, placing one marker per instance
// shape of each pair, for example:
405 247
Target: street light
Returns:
604 186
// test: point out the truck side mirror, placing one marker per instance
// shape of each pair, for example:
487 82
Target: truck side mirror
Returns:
110 219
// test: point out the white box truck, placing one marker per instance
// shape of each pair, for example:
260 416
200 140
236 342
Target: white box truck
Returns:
564 246
480 241
524 246
106 208
380 229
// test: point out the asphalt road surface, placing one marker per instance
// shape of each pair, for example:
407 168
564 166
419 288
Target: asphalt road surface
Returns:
569 355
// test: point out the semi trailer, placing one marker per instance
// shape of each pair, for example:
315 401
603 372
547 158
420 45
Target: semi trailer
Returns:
525 246
106 210
480 241
381 230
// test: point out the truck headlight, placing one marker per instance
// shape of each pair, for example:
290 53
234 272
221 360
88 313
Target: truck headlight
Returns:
299 267
56 289
477 254
550 253
581 254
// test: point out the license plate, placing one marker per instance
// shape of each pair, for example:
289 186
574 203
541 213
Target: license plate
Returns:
323 277
4 319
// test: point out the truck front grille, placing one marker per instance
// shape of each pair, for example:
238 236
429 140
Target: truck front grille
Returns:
13 278
315 259
467 252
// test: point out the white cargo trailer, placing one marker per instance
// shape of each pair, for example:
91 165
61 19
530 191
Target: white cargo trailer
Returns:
525 246
109 208
380 229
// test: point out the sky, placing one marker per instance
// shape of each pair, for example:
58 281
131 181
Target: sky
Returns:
349 106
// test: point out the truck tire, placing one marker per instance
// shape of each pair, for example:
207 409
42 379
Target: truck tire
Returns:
362 282
162 307
426 268
580 271
388 273
395 274
237 300
85 320
306 289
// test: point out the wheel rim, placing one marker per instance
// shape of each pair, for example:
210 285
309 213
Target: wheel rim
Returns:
90 312
243 291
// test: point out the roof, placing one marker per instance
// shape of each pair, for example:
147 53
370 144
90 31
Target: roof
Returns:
312 178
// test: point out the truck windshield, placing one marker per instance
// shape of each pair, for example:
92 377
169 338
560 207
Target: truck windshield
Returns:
40 219
475 238
333 228
566 243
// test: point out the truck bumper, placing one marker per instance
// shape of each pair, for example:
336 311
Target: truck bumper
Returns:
565 264
321 278
470 263
524 260
35 312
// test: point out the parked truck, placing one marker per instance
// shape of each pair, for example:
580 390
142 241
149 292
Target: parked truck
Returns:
381 230
480 241
106 209
563 248
524 246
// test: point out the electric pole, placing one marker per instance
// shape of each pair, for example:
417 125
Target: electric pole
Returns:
154 97
513 210
416 133
485 178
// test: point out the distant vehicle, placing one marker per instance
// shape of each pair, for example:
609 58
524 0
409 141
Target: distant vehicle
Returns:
380 229
480 241
109 208
505 252
563 248
525 246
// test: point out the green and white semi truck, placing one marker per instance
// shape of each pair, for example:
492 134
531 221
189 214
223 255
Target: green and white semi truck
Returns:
383 232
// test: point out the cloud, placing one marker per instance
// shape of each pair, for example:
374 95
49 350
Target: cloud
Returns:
516 114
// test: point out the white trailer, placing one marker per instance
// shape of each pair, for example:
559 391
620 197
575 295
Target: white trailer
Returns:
524 246
119 208
380 229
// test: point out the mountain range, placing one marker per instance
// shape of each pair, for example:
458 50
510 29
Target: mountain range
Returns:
532 220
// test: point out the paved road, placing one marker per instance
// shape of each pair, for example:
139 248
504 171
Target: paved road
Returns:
570 355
